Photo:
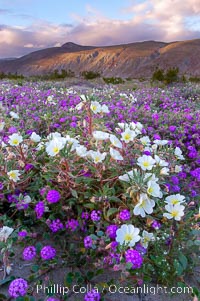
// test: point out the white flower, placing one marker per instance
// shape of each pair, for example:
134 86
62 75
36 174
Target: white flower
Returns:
146 162
139 126
145 205
123 126
104 109
80 104
128 235
97 157
127 177
2 124
71 141
164 171
160 142
115 154
54 146
175 199
83 97
95 107
40 146
150 176
160 162
145 141
146 238
176 211
178 168
128 135
5 232
14 115
178 153
51 136
15 139
154 189
99 135
49 98
115 141
81 151
35 138
14 175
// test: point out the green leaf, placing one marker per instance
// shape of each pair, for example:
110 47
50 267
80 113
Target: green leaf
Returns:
129 265
183 260
111 211
100 233
35 268
89 205
8 279
197 242
74 193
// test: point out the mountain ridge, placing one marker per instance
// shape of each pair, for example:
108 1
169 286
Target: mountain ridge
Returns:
135 60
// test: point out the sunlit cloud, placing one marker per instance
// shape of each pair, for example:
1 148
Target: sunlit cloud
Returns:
150 20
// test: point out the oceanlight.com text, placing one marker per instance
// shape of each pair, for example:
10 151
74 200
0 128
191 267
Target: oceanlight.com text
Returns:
113 289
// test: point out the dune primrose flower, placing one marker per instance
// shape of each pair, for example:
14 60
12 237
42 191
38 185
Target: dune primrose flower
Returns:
128 235
176 212
14 175
15 139
145 205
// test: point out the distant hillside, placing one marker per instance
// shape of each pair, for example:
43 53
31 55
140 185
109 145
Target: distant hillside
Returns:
126 60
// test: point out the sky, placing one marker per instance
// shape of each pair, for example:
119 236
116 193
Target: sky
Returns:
29 25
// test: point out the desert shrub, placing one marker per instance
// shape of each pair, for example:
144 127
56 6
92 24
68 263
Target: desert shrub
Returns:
113 80
90 74
171 75
194 79
158 75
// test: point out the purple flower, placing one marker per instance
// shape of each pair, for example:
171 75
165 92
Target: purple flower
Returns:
111 231
72 224
52 299
85 215
175 180
156 225
142 250
39 209
48 253
18 287
134 257
172 128
29 253
95 215
28 167
112 258
56 225
88 242
92 295
125 215
22 233
12 130
53 196
1 186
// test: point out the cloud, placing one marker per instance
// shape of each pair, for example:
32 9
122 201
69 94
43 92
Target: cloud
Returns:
151 20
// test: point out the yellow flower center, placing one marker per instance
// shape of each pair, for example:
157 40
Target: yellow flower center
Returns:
150 190
12 175
94 108
146 163
97 159
55 149
127 136
175 201
174 213
128 237
15 141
